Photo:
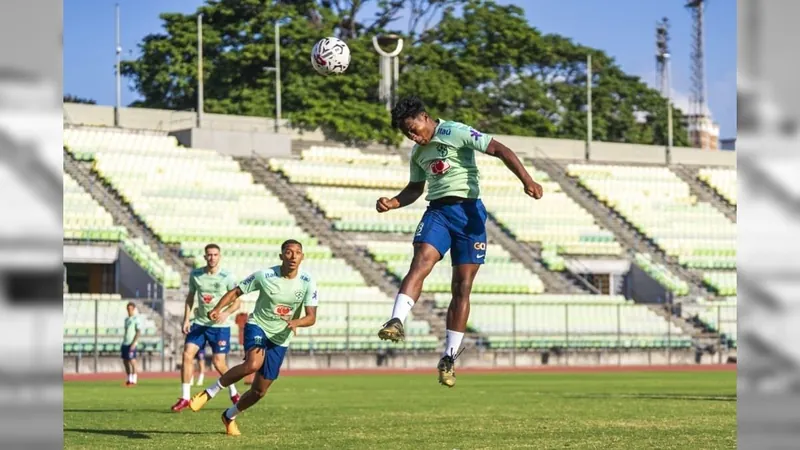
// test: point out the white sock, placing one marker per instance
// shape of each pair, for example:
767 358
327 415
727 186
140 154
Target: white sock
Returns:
191 380
200 379
402 306
452 343
231 412
186 391
134 378
130 378
232 388
214 389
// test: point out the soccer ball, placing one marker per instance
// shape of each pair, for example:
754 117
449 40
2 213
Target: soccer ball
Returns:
330 56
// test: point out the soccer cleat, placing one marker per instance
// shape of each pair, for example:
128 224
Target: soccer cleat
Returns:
180 405
392 331
235 398
447 371
199 400
231 429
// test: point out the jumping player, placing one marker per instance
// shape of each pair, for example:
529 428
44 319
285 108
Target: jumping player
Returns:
283 290
128 349
207 284
455 220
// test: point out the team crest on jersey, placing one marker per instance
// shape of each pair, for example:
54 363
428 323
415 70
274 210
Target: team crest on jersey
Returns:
298 295
207 298
442 149
282 310
217 285
439 167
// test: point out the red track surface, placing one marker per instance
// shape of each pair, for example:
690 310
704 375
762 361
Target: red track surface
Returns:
345 372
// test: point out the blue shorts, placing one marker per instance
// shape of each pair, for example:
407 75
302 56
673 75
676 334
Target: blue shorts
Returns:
127 353
460 228
254 337
218 338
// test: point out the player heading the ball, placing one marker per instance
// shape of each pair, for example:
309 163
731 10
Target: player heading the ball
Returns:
455 220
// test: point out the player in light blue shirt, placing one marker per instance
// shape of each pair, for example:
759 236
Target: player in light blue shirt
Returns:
133 329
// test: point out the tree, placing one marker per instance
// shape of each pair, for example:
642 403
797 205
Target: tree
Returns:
482 64
69 98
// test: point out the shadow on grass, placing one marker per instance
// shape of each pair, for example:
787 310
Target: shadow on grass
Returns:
135 434
114 410
668 396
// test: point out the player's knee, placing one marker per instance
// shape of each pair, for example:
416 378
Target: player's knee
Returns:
219 364
188 357
259 391
461 289
251 367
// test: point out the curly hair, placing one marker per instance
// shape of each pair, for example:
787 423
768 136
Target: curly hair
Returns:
406 108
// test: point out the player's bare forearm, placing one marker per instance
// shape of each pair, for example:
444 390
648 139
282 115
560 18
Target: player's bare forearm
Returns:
189 304
233 307
136 338
309 319
229 298
411 193
510 159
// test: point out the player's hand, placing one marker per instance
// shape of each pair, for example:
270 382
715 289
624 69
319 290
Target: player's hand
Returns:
534 189
222 317
292 325
385 204
186 327
214 315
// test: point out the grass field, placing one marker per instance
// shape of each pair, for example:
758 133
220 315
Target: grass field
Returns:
640 410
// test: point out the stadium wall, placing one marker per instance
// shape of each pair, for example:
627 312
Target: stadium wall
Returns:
134 281
236 143
473 359
562 149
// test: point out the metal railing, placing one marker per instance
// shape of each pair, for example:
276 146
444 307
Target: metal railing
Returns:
93 330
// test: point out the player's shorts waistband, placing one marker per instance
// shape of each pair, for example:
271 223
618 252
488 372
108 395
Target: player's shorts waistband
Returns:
452 201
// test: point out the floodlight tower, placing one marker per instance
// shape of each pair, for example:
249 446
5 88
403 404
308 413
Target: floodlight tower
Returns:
389 67
663 75
662 56
699 120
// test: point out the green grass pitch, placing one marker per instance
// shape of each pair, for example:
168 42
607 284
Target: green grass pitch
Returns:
639 410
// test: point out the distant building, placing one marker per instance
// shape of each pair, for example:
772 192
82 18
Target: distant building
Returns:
703 132
727 144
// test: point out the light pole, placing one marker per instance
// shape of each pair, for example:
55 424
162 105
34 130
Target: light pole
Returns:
277 70
199 71
389 66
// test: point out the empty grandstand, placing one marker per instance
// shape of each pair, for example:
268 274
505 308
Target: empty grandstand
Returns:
559 278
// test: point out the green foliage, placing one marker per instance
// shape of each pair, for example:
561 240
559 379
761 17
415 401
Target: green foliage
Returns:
484 65
69 98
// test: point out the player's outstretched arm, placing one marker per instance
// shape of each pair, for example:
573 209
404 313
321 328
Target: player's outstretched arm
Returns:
510 159
409 194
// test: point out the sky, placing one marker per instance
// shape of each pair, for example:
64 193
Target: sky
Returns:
624 29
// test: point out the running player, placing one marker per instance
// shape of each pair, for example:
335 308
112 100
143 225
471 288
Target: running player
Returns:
133 329
455 220
282 291
207 284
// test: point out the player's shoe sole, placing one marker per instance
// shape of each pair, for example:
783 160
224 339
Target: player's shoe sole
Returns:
199 400
231 429
447 372
392 331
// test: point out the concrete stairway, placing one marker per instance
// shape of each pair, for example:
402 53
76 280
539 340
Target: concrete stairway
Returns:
123 215
626 234
313 222
703 191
